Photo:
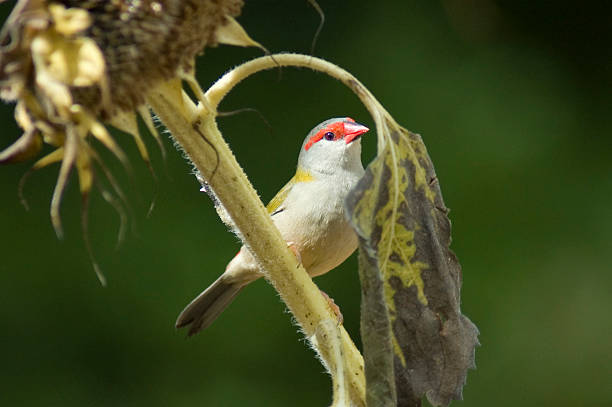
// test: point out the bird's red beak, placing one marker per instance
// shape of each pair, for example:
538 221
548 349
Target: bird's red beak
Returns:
353 130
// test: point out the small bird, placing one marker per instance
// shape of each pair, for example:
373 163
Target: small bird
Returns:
308 212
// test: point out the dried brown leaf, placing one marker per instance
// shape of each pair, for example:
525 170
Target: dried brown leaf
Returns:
411 279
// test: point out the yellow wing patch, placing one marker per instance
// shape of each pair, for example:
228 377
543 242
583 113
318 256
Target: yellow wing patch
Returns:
300 176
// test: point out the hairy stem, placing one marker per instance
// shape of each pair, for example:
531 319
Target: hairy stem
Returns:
195 129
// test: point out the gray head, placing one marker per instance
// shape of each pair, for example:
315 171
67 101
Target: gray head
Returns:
333 144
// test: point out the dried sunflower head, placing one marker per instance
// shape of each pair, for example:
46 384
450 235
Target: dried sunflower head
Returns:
72 65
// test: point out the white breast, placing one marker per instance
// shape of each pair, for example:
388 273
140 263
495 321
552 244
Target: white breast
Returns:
314 221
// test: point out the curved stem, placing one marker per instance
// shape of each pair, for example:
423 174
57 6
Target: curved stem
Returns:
226 83
337 351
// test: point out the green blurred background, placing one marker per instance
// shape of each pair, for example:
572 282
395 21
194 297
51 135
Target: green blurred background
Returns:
512 99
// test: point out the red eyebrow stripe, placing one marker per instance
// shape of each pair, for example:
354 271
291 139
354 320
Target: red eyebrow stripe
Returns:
313 139
337 128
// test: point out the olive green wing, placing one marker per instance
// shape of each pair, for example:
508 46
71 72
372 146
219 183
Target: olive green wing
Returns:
275 205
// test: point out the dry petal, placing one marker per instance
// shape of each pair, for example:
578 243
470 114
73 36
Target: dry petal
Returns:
90 64
69 21
100 133
26 147
232 33
85 172
69 157
57 93
127 123
145 114
51 158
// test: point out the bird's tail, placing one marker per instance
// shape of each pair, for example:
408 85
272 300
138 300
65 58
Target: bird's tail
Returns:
207 306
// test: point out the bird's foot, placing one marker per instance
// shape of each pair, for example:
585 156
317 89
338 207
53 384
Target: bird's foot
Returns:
293 247
330 301
334 307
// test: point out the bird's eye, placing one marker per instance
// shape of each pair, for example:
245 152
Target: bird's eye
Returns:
329 136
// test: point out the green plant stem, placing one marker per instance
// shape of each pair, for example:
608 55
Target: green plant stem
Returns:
221 88
195 129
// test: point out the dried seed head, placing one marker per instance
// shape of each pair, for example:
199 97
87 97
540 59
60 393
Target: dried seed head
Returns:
145 41
73 64
104 54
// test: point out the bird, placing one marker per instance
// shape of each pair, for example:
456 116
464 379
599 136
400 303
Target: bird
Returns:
308 211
